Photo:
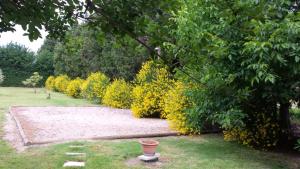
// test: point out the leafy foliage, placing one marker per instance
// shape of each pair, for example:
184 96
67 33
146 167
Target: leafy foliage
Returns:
50 83
74 88
153 81
85 50
295 113
2 77
297 146
118 94
245 54
138 19
93 88
45 59
17 63
261 131
33 81
175 105
61 83
55 16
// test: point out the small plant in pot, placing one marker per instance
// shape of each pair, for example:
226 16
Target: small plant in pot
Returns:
149 148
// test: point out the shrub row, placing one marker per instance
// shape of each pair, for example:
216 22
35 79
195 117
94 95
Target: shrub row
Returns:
93 88
152 94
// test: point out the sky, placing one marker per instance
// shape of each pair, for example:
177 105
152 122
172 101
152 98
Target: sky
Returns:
18 37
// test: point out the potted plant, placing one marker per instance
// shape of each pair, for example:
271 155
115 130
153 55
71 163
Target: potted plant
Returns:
149 146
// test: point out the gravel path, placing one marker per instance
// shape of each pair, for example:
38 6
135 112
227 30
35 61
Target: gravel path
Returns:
38 125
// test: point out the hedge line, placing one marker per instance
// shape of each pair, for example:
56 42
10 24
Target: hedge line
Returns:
152 94
14 77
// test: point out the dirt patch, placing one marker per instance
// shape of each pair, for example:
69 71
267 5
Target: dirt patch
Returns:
40 125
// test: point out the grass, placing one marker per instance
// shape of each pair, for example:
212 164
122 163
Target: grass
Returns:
198 152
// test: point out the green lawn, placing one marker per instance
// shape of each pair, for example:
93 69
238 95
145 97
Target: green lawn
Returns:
199 152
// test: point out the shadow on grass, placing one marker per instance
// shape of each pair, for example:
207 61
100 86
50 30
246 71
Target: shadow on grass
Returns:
210 151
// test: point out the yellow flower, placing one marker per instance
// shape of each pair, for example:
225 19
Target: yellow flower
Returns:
94 86
50 83
152 83
61 83
118 94
74 88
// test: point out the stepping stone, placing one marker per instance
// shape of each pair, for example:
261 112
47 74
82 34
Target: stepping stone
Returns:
75 154
74 164
149 158
76 146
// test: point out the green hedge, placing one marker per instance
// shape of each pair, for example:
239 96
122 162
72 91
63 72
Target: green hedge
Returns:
18 63
14 77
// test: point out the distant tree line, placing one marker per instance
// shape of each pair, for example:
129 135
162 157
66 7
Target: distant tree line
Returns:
18 63
81 52
85 50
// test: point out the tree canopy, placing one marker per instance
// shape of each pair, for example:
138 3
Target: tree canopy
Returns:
33 80
139 19
245 54
16 61
86 50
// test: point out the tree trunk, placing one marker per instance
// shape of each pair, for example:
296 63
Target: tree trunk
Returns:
284 123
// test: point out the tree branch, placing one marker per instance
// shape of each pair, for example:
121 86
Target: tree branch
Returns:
116 25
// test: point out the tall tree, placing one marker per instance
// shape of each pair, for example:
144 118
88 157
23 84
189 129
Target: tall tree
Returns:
17 63
245 55
44 63
87 50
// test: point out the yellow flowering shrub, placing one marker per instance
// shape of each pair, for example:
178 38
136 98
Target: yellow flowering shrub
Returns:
50 83
175 103
146 101
118 94
74 88
152 84
61 83
93 88
148 72
263 132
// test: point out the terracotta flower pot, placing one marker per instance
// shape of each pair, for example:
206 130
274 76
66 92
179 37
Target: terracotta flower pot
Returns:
149 147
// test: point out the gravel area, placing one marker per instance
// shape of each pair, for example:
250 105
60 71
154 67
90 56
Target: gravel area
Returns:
12 135
40 125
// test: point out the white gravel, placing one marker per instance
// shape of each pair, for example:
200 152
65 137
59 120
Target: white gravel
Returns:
55 124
